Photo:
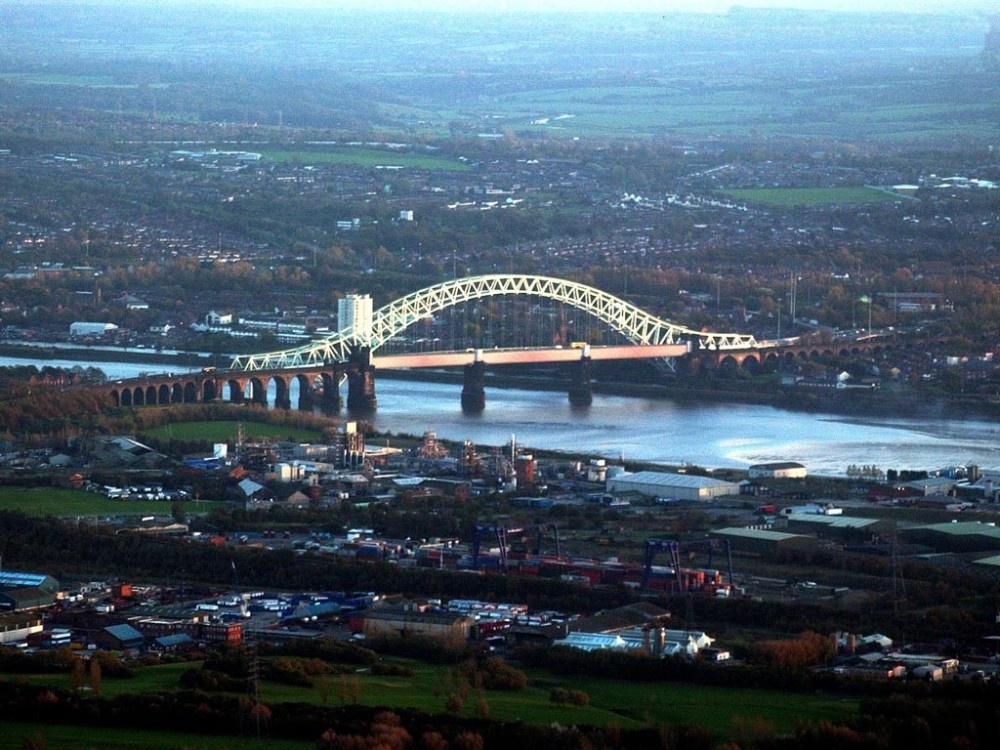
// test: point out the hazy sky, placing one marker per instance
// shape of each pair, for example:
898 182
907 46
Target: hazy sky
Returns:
716 6
670 5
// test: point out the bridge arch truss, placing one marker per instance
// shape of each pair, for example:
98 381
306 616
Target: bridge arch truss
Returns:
635 324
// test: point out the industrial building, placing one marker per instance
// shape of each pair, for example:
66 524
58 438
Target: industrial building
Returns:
637 615
777 470
401 622
17 626
679 486
965 536
932 485
86 328
834 526
655 642
121 637
596 642
25 591
763 541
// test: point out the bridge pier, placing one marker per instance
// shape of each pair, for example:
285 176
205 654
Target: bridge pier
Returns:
283 401
580 392
361 382
361 390
473 389
306 398
258 395
330 400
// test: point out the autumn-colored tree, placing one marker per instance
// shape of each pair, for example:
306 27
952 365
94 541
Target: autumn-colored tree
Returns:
468 741
95 676
482 707
386 733
808 649
751 732
77 675
260 713
453 703
433 741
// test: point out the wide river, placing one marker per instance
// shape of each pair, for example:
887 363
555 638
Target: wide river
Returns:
705 434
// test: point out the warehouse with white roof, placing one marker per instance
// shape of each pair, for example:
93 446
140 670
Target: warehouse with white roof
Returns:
676 486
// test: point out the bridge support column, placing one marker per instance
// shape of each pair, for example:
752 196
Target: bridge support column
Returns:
258 396
580 393
361 390
473 390
306 398
330 401
283 401
361 382
236 392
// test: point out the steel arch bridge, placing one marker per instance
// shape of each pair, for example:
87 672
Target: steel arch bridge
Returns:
635 324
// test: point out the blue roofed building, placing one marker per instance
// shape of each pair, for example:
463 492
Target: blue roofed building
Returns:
25 591
121 638
171 643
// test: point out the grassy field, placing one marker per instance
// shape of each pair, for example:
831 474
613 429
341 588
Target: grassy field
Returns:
64 503
837 196
683 107
55 737
57 79
366 157
218 432
629 705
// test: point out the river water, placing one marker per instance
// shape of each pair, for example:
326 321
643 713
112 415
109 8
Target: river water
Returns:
706 434
660 430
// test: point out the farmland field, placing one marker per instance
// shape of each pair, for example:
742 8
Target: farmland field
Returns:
365 157
218 432
60 502
813 196
627 704
57 737
875 76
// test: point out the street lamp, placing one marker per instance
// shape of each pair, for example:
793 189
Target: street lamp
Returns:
868 300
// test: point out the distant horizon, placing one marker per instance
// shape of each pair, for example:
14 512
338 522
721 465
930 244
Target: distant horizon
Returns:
938 7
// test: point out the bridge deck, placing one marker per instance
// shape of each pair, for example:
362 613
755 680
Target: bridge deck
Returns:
527 356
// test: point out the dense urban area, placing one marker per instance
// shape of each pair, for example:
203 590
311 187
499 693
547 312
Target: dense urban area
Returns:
180 188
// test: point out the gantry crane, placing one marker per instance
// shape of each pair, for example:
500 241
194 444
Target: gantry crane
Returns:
675 549
501 533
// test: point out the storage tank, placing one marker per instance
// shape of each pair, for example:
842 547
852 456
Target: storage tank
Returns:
524 470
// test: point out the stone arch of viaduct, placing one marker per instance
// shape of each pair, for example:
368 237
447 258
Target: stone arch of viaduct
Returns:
319 386
769 360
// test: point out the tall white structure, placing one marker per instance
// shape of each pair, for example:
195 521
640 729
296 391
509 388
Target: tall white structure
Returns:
354 312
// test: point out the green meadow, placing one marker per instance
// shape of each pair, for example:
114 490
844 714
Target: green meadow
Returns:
365 157
612 702
66 79
222 431
684 107
835 196
17 735
66 503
